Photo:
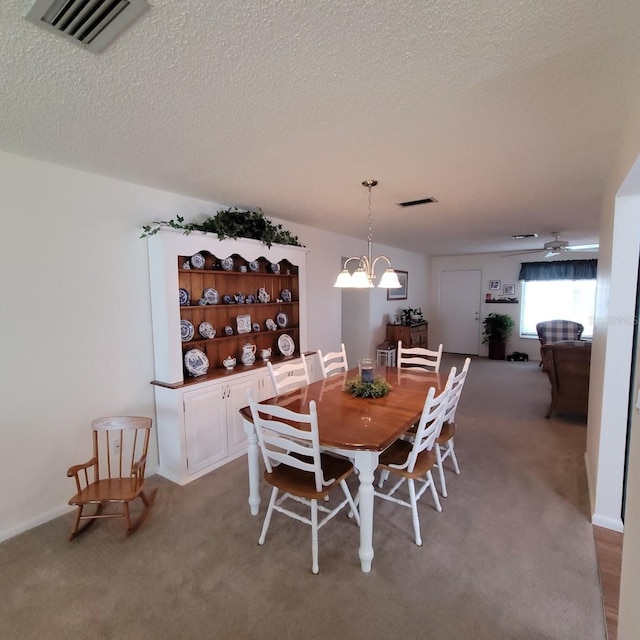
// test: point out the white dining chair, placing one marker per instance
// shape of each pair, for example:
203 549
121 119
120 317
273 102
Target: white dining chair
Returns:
419 357
288 375
413 459
444 441
295 467
333 362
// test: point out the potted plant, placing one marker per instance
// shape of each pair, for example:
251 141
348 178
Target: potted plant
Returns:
497 329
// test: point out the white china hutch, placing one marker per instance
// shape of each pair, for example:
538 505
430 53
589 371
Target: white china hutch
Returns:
258 297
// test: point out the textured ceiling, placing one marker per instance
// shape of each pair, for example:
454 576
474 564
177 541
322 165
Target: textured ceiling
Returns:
508 112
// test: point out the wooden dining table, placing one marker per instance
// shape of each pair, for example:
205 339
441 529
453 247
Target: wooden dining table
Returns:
359 428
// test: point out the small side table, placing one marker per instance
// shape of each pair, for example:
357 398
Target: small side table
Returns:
386 357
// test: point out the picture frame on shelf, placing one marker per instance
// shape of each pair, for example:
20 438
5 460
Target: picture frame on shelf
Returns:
401 293
495 285
509 289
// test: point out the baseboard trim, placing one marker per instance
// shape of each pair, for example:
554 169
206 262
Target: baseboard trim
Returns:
21 527
615 524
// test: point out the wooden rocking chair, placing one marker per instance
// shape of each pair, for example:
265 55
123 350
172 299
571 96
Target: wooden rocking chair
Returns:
119 458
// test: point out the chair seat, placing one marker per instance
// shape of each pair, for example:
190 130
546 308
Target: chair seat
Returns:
398 453
446 433
302 483
117 490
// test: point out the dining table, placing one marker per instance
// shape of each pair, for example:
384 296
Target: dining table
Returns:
356 427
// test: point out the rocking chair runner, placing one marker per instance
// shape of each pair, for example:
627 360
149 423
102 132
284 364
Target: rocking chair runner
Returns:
119 457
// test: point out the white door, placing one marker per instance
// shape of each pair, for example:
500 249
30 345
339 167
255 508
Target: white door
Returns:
460 293
205 425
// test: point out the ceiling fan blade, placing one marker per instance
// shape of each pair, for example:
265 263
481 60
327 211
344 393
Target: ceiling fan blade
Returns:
584 247
552 253
521 253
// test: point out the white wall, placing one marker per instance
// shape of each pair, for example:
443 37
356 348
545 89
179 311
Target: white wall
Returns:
493 267
76 340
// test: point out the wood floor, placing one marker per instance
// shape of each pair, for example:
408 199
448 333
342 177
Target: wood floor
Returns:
609 552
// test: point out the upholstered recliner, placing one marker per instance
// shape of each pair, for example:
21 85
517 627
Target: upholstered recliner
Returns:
568 364
551 331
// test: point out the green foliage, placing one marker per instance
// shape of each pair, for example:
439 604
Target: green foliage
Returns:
409 316
497 327
231 223
376 389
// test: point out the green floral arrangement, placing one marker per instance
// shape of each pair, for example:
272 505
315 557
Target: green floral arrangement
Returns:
230 223
376 389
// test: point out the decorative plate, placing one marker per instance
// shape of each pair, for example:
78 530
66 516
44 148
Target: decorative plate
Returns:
196 362
197 261
184 297
286 345
253 265
228 330
244 323
285 294
263 296
275 267
186 330
227 264
206 330
211 296
250 299
256 326
281 319
271 325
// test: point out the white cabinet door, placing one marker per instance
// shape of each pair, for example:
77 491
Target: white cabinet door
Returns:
205 425
237 398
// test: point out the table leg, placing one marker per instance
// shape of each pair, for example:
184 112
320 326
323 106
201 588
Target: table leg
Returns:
254 468
366 463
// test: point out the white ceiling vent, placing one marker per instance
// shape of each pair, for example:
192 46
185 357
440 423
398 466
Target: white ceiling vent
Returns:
92 24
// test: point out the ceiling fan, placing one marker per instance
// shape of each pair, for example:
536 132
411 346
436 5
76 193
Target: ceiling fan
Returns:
555 247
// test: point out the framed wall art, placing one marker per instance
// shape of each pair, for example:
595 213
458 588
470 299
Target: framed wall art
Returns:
401 293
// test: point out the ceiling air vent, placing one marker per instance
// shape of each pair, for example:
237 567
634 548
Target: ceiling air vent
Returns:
414 203
92 24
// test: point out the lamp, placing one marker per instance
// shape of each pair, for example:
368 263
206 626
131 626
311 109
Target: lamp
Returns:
364 276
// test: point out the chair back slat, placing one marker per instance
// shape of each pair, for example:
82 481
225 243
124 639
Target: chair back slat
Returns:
455 384
333 362
419 357
288 375
119 443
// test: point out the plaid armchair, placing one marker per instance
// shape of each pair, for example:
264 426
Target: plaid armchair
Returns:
552 331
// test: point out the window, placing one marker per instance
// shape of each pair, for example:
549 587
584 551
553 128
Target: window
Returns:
557 299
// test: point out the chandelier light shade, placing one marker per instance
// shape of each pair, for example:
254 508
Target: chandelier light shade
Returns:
364 275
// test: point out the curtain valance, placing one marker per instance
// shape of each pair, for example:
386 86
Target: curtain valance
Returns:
559 270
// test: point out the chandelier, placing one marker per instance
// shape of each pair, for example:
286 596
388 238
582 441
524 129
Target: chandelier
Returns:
363 277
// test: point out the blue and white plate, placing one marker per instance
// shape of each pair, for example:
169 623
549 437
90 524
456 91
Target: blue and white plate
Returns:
211 296
186 330
243 323
275 267
253 265
281 319
206 330
227 264
184 297
228 330
196 362
286 345
285 294
197 261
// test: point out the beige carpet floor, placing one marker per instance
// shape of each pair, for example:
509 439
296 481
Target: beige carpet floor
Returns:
511 556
